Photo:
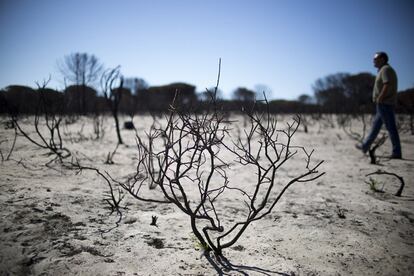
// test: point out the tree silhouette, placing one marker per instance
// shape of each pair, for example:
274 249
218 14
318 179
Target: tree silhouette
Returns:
210 93
244 95
159 98
19 99
406 105
82 70
305 99
135 85
73 101
343 92
358 90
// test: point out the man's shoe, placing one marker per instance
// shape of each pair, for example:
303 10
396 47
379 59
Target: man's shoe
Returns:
361 148
396 156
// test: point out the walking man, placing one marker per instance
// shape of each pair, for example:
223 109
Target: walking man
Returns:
385 98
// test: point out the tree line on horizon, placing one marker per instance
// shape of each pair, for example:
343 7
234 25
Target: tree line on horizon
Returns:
336 93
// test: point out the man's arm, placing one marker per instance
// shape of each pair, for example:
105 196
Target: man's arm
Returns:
383 93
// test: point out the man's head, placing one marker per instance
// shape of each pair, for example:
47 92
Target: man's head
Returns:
380 59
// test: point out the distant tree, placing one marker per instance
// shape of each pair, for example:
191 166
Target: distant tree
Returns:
73 101
329 91
305 99
134 100
209 94
244 95
3 102
285 106
343 92
332 99
52 101
358 90
19 99
186 95
135 85
330 81
128 102
406 105
406 100
160 98
82 70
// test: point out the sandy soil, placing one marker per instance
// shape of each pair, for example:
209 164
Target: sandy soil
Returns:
55 222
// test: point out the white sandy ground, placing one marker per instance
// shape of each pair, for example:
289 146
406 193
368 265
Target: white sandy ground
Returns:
51 219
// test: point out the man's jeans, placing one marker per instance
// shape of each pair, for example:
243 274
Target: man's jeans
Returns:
385 114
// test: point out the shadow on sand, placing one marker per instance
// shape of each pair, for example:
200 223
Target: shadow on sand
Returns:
388 158
223 267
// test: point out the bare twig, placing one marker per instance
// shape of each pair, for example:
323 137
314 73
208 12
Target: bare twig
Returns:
53 140
13 145
113 199
113 94
110 156
379 142
400 178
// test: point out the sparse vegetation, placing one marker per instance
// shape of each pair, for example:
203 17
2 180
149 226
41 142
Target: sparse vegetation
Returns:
189 157
373 185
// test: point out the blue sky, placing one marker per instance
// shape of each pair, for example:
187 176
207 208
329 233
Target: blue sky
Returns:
283 44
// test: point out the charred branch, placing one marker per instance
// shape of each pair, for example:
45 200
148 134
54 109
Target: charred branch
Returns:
400 178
